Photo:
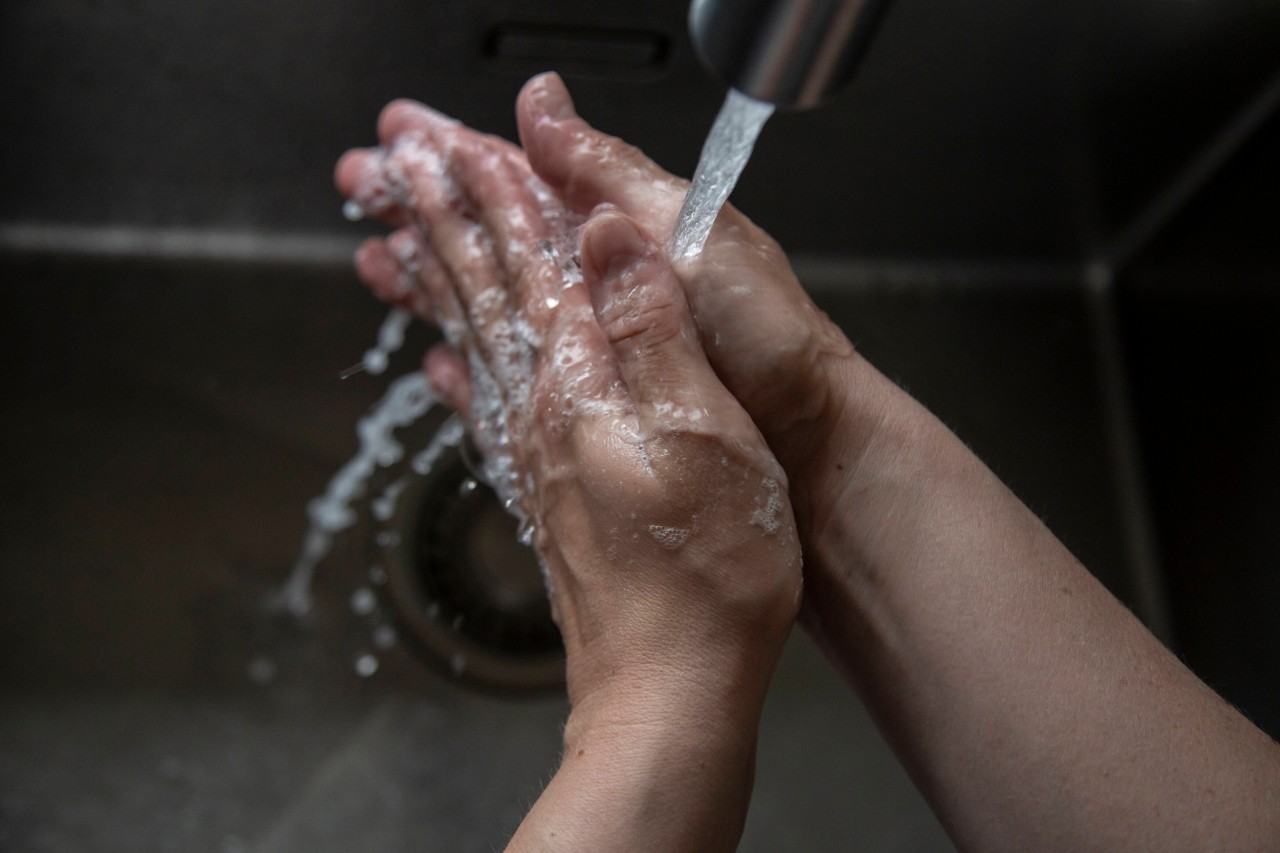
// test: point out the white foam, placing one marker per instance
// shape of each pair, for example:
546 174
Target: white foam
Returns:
670 538
768 511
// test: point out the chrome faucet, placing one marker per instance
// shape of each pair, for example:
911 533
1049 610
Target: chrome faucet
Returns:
790 53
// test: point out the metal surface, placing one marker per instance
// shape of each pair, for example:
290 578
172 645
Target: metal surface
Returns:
468 597
1033 133
791 53
176 304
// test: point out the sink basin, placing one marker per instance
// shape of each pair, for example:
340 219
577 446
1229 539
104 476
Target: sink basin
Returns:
170 421
1056 229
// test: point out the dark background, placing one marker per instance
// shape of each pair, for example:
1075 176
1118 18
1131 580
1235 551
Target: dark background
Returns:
1058 225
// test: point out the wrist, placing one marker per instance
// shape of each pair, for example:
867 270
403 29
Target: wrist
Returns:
716 696
826 453
674 772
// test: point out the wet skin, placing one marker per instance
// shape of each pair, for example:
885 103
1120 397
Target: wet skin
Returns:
658 512
1031 708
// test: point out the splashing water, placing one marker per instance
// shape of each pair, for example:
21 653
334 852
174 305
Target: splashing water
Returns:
390 339
724 156
408 399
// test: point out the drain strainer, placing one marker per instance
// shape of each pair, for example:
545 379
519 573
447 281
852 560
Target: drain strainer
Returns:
468 597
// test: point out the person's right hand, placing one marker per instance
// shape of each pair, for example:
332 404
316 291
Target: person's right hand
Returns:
791 368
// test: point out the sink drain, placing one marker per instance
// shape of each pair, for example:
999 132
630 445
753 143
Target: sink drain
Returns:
468 597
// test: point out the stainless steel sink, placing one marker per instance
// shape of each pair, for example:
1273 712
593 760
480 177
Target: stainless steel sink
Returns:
1039 213
169 424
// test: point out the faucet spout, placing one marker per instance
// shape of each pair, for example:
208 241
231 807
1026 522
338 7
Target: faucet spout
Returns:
790 53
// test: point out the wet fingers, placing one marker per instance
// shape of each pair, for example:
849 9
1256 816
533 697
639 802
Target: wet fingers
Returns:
588 167
449 377
641 308
390 277
361 177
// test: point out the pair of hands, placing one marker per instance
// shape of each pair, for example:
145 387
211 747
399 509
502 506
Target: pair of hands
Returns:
640 417
616 425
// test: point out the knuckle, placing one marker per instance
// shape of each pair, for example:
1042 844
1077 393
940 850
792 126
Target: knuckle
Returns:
642 318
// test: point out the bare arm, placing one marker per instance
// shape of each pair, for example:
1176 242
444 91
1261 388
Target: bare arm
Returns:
658 513
1031 708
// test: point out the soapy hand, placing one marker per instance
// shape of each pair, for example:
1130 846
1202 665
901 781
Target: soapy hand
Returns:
777 353
659 514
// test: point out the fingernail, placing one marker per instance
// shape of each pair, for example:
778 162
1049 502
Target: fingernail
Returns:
443 382
553 98
610 243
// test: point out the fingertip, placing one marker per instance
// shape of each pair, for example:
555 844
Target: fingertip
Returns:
404 115
359 177
543 105
349 169
608 242
546 96
378 269
370 252
447 373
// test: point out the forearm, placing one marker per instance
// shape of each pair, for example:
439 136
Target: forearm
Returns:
676 778
1034 711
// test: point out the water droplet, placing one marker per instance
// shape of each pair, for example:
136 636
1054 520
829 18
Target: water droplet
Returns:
552 302
377 575
366 665
363 601
458 663
352 211
467 486
262 670
387 538
433 610
375 361
526 532
384 637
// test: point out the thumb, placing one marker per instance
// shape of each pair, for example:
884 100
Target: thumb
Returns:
641 308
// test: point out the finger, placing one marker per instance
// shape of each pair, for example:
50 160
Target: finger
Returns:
412 253
471 288
524 245
408 117
448 375
392 278
404 116
417 265
360 176
585 166
643 314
